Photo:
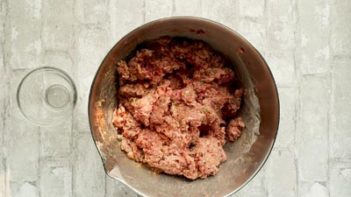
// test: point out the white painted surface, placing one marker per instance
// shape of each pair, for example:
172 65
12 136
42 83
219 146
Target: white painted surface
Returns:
306 43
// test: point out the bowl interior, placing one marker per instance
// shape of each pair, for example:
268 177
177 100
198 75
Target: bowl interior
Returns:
260 112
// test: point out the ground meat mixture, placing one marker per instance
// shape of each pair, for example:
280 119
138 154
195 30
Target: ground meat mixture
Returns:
179 103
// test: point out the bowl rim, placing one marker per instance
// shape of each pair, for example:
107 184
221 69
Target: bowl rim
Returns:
219 25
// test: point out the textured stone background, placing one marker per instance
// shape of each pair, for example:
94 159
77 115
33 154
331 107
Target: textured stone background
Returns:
307 44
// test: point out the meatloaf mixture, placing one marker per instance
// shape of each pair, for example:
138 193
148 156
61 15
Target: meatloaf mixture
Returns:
178 105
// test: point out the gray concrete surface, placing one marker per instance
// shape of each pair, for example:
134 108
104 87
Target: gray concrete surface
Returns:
307 44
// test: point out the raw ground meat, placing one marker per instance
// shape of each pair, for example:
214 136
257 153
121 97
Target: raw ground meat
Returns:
178 105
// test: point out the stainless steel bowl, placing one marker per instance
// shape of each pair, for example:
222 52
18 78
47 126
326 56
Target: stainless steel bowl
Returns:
261 112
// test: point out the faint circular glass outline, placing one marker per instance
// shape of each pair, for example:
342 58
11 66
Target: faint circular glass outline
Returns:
62 74
51 102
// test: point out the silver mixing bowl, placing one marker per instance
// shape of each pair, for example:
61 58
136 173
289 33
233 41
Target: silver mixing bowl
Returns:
260 112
